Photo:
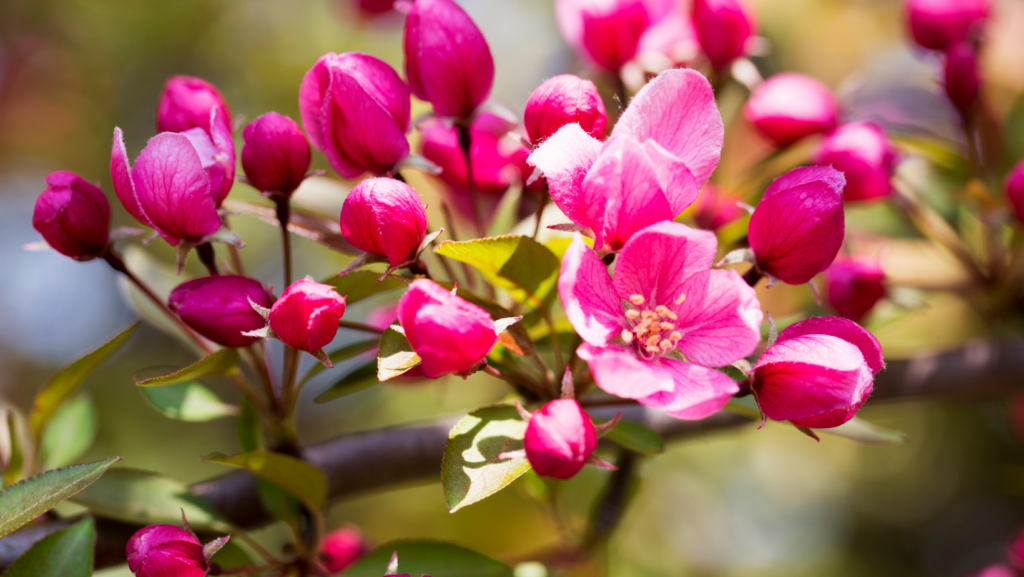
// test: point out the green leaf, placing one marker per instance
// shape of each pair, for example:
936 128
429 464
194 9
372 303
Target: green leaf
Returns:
64 553
64 383
344 353
523 266
220 364
636 437
298 477
250 430
360 379
70 433
857 429
361 284
24 501
190 402
472 468
280 504
422 557
395 356
16 435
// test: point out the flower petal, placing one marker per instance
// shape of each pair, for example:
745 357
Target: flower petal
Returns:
565 159
121 173
590 302
720 320
844 329
698 392
312 92
621 373
658 259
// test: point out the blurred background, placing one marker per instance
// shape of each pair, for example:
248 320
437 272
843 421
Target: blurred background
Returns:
750 502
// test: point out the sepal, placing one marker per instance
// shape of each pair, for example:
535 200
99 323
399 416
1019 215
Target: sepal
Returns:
600 463
605 428
211 548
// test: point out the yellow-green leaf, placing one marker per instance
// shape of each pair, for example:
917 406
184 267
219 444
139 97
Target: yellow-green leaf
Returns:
220 364
360 379
296 476
395 356
361 284
344 353
64 553
519 264
423 557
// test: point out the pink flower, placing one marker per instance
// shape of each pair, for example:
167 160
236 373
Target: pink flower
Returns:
356 110
1015 553
447 60
341 548
818 373
217 307
307 314
791 106
450 335
798 226
863 153
939 24
961 78
562 100
559 439
1015 190
998 570
660 153
723 27
166 550
716 208
73 216
385 217
854 287
664 301
276 154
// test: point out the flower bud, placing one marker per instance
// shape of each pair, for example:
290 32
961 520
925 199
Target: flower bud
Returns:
385 217
447 60
356 110
790 106
939 24
608 33
1015 552
818 373
164 550
217 307
1015 190
307 314
854 287
559 439
798 226
564 100
451 335
863 153
998 570
73 216
715 208
186 103
340 549
276 154
723 28
961 79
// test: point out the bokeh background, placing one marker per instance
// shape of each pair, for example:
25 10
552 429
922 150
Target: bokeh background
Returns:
751 502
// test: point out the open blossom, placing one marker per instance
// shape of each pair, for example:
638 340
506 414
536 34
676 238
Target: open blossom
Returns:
384 217
854 287
939 24
660 153
723 27
164 551
562 100
960 77
307 314
73 216
716 208
559 439
1015 190
276 154
217 307
664 300
356 110
818 373
863 153
790 106
341 548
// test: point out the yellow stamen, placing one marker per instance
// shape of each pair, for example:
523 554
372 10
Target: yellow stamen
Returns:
653 340
627 336
667 326
665 345
632 314
672 316
675 337
637 300
681 298
653 350
662 310
647 314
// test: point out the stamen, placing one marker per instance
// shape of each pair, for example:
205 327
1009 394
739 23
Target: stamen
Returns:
653 340
675 337
652 349
672 316
662 310
667 326
647 314
666 345
632 314
637 300
627 336
681 298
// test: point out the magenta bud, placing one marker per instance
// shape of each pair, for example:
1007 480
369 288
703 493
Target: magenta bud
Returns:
559 439
356 110
73 216
385 217
447 60
1015 190
723 28
217 307
451 335
1015 552
961 78
341 548
798 226
562 100
818 373
276 154
715 208
854 287
608 33
186 103
863 153
166 550
790 106
307 314
939 24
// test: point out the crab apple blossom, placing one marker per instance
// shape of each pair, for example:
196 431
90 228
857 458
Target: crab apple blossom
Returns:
306 315
818 373
276 154
715 208
166 551
939 24
663 301
356 110
960 77
384 217
723 28
863 153
217 307
341 548
559 439
562 100
606 32
447 60
1015 190
854 287
791 106
73 216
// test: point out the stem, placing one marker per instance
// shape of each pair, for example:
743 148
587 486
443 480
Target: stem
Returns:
289 394
283 216
257 360
359 327
608 511
556 348
466 143
208 257
470 278
540 209
516 380
621 97
236 256
753 276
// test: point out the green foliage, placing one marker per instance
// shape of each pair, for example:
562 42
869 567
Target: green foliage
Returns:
296 476
519 264
395 357
359 379
250 432
434 558
191 402
70 433
219 364
344 353
64 553
361 284
636 437
12 445
473 466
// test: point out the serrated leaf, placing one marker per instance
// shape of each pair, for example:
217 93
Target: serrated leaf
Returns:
344 353
361 285
395 356
190 402
70 432
219 364
472 469
523 266
296 476
64 383
64 553
316 227
857 429
636 437
360 379
423 557
24 501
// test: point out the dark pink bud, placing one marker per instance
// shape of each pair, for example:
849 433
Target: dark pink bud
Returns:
374 8
186 103
217 307
854 287
939 24
723 28
1015 552
798 226
307 314
276 154
608 33
863 153
166 551
715 208
562 100
790 106
340 549
960 73
73 216
385 217
450 335
1015 190
559 439
447 60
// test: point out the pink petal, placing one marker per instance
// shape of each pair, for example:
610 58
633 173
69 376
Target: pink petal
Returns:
590 302
681 189
120 172
312 92
698 391
844 329
619 372
658 259
565 159
220 131
451 341
720 320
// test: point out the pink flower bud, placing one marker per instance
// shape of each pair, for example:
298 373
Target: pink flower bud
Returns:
723 28
356 110
854 287
166 550
276 154
385 217
606 32
863 153
341 548
715 208
374 8
217 307
559 439
818 373
564 100
798 226
791 106
938 24
307 314
450 335
999 570
186 103
1015 190
1015 552
73 216
447 60
960 73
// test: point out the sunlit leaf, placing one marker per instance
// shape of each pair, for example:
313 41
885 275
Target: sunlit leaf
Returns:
344 353
64 553
360 379
221 363
318 228
361 284
395 356
636 437
475 465
434 558
70 433
523 266
857 429
190 402
296 476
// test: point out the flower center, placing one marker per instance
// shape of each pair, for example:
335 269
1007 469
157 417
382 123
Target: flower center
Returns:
653 327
